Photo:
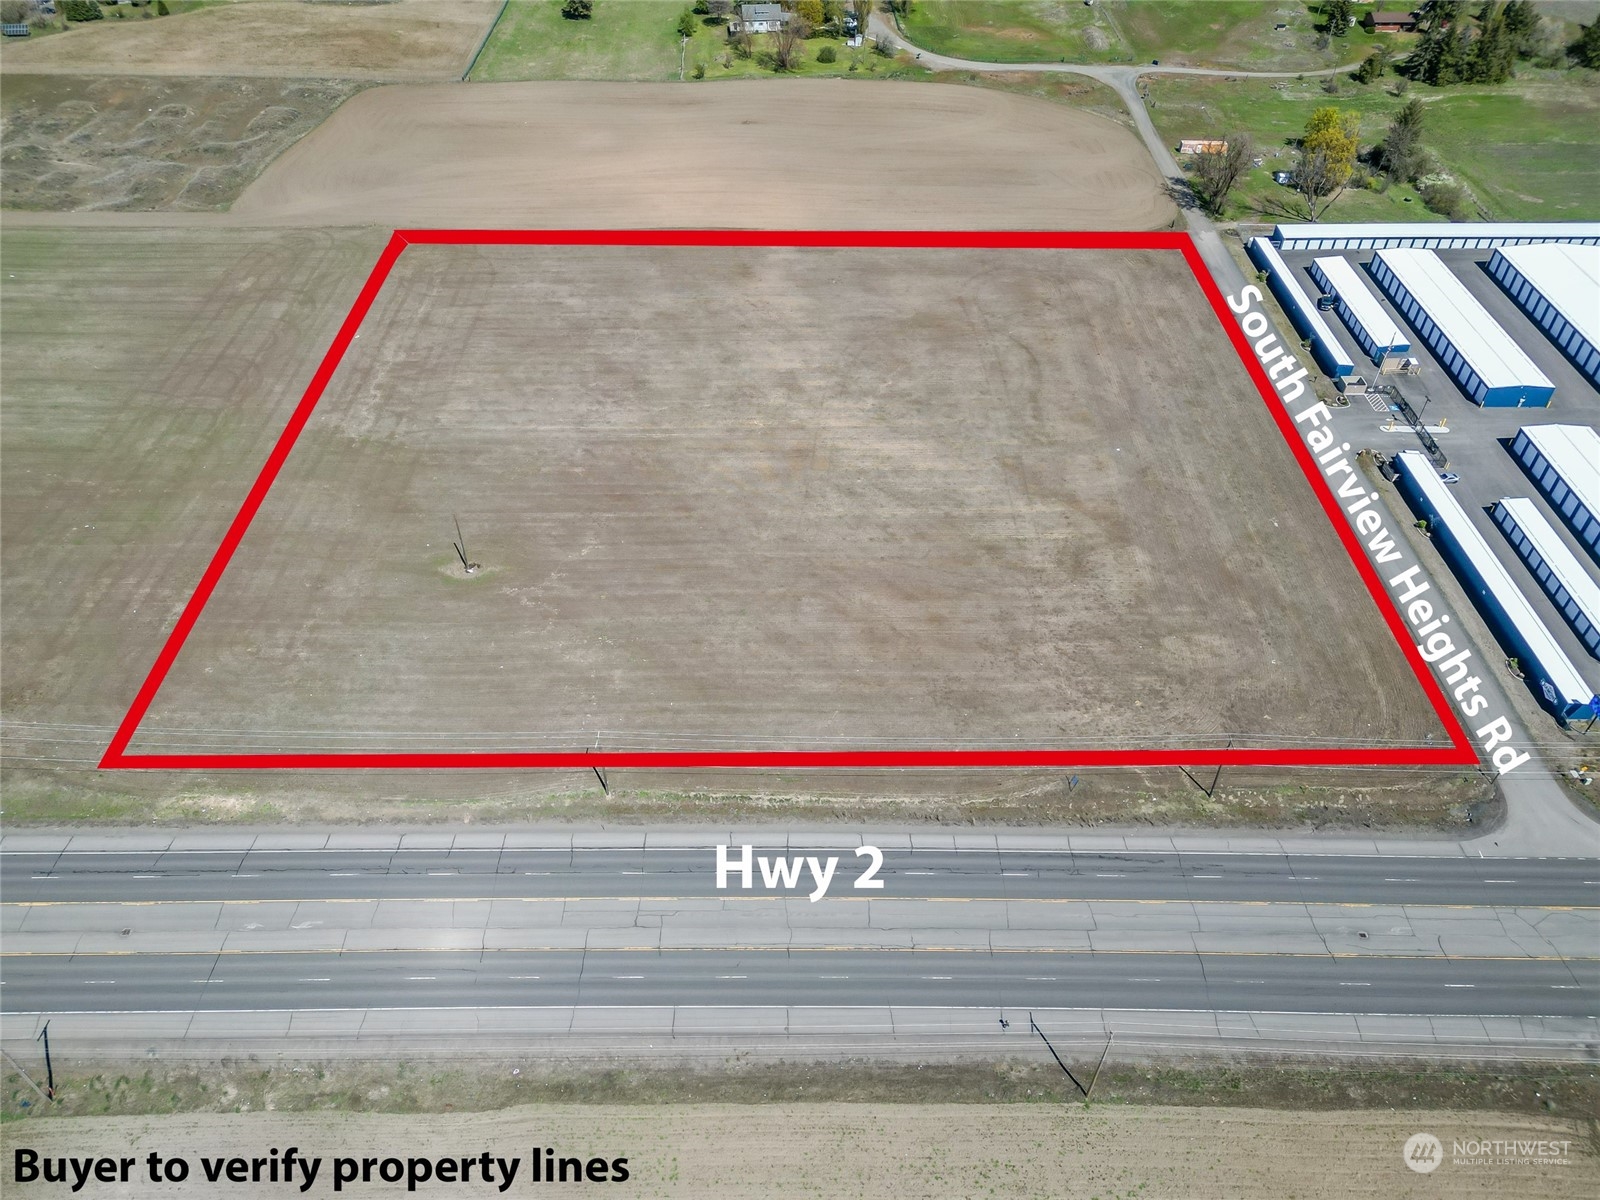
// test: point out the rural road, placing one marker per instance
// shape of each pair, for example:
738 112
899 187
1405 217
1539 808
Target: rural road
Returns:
136 940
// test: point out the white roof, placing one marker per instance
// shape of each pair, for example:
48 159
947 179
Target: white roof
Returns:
1547 652
1563 563
1308 311
1497 359
1366 308
1567 276
1511 230
1574 451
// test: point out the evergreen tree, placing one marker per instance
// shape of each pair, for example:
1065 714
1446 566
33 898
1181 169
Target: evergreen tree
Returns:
1586 50
1338 13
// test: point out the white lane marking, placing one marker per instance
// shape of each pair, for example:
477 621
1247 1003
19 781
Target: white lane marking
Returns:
1461 985
733 977
47 877
1387 880
633 872
936 977
99 980
1499 880
341 874
833 977
919 872
1205 877
1041 978
1100 875
627 977
421 978
1015 874
1142 979
444 872
1563 987
522 977
1343 984
147 877
537 872
317 979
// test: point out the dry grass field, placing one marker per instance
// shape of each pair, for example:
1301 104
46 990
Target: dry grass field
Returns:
408 39
770 154
907 1152
774 498
106 142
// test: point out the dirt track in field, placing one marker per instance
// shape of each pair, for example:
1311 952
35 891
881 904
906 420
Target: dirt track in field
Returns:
772 499
908 1152
778 154
412 39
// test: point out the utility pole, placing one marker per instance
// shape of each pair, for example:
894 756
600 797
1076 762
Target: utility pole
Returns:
49 1070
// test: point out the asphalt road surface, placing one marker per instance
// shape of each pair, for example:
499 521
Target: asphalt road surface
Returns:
393 929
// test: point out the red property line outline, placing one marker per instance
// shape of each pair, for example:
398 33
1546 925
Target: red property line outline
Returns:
1460 751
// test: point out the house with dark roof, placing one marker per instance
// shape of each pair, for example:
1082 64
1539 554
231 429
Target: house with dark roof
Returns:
759 18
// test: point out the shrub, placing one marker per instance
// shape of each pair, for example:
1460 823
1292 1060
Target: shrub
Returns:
81 10
882 49
699 71
577 10
827 55
162 10
1444 196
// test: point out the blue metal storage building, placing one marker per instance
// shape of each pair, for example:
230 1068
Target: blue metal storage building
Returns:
1363 313
1497 597
1490 367
1572 588
1470 235
1559 287
1308 322
1564 460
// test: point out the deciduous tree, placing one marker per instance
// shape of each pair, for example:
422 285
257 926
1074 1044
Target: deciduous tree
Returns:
1216 171
1326 157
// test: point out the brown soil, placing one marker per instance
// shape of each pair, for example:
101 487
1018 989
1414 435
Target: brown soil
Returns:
408 39
138 143
878 1150
713 517
739 154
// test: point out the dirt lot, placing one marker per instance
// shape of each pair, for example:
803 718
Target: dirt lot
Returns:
717 511
126 142
879 1150
774 154
401 39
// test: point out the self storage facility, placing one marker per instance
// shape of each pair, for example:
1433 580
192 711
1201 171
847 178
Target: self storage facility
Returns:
1482 357
1565 461
1559 287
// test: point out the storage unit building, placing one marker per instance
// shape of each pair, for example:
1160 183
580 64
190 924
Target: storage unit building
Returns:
1559 287
1363 313
1490 367
1572 588
1469 236
1496 595
1308 322
1564 461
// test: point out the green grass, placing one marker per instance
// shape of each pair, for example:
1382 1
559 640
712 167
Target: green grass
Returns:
635 40
1528 150
1224 33
638 40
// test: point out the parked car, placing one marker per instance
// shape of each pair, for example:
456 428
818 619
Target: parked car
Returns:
1449 477
1326 302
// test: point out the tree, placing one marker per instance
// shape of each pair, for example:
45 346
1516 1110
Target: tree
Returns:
1525 28
809 11
81 10
1338 13
577 10
1400 153
1216 171
863 10
1373 66
718 8
1326 157
1586 50
15 12
787 42
687 24
162 10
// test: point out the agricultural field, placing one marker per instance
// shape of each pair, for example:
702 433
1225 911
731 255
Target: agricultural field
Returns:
565 155
935 529
407 39
108 142
1528 150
